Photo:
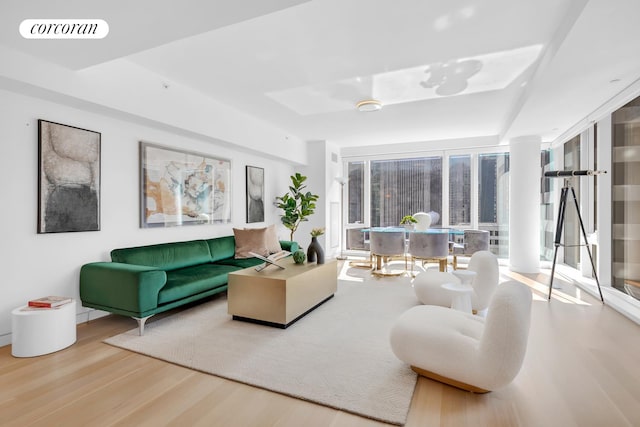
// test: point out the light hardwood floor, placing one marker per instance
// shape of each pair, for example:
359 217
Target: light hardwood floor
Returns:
581 369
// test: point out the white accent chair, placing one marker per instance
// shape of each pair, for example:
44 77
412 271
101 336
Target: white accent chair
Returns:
428 284
463 350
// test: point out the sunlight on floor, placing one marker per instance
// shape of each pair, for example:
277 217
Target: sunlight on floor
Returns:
541 291
349 273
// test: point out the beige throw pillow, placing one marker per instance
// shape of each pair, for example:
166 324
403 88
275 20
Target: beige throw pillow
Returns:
251 240
271 238
273 244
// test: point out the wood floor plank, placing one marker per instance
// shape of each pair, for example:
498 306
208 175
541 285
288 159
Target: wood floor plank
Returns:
580 369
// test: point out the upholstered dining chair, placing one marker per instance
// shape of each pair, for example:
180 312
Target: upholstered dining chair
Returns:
385 245
357 240
466 351
474 241
429 246
435 217
428 284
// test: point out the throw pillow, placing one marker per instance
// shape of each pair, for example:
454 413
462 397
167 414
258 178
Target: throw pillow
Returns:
252 240
271 237
273 244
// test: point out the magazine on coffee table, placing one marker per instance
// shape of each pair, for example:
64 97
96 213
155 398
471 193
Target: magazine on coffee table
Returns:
270 260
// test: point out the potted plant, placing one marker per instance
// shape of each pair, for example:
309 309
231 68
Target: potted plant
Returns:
408 221
297 204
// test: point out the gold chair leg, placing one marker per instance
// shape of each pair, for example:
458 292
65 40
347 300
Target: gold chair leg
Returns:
378 270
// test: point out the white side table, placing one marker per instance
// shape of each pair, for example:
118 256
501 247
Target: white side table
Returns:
465 276
38 332
461 296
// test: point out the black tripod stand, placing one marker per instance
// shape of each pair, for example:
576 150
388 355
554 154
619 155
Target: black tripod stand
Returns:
560 224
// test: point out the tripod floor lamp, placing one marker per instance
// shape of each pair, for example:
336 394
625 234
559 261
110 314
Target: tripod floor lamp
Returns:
567 175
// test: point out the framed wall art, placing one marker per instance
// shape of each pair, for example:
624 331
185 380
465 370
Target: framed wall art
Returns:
68 178
181 187
255 194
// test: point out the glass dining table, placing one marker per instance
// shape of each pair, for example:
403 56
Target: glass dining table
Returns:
451 231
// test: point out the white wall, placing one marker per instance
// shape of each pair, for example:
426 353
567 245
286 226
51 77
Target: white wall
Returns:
321 172
35 265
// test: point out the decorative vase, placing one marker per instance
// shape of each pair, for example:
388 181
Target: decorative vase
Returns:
315 251
409 227
299 256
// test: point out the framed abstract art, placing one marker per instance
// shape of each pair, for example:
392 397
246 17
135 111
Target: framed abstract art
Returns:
180 187
68 178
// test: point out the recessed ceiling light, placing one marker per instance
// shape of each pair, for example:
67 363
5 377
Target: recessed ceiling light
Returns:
369 105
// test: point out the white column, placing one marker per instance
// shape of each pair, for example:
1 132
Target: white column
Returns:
524 204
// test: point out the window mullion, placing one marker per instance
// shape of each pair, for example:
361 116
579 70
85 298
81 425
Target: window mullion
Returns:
475 189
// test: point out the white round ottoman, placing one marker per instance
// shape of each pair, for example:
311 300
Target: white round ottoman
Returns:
38 332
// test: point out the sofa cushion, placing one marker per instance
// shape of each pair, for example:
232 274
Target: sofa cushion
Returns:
250 240
189 281
240 263
166 256
222 247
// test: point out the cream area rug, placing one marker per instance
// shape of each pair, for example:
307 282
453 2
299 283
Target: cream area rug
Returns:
338 355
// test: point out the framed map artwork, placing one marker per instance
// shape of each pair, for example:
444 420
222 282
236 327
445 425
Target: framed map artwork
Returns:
68 178
181 187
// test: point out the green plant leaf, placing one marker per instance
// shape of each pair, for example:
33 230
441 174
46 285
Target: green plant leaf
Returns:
296 204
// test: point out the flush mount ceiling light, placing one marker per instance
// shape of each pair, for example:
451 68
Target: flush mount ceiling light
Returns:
369 105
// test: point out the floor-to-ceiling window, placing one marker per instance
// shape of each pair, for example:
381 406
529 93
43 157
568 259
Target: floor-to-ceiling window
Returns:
355 202
467 189
460 190
355 190
404 187
547 212
626 198
571 232
493 200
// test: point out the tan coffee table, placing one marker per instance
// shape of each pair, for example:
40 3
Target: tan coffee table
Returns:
277 297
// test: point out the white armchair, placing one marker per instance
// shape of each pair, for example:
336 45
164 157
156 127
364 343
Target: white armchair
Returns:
428 284
463 350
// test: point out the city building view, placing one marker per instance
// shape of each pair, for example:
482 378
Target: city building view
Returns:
399 187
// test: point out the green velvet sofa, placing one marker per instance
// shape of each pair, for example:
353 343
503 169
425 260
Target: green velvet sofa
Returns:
146 280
